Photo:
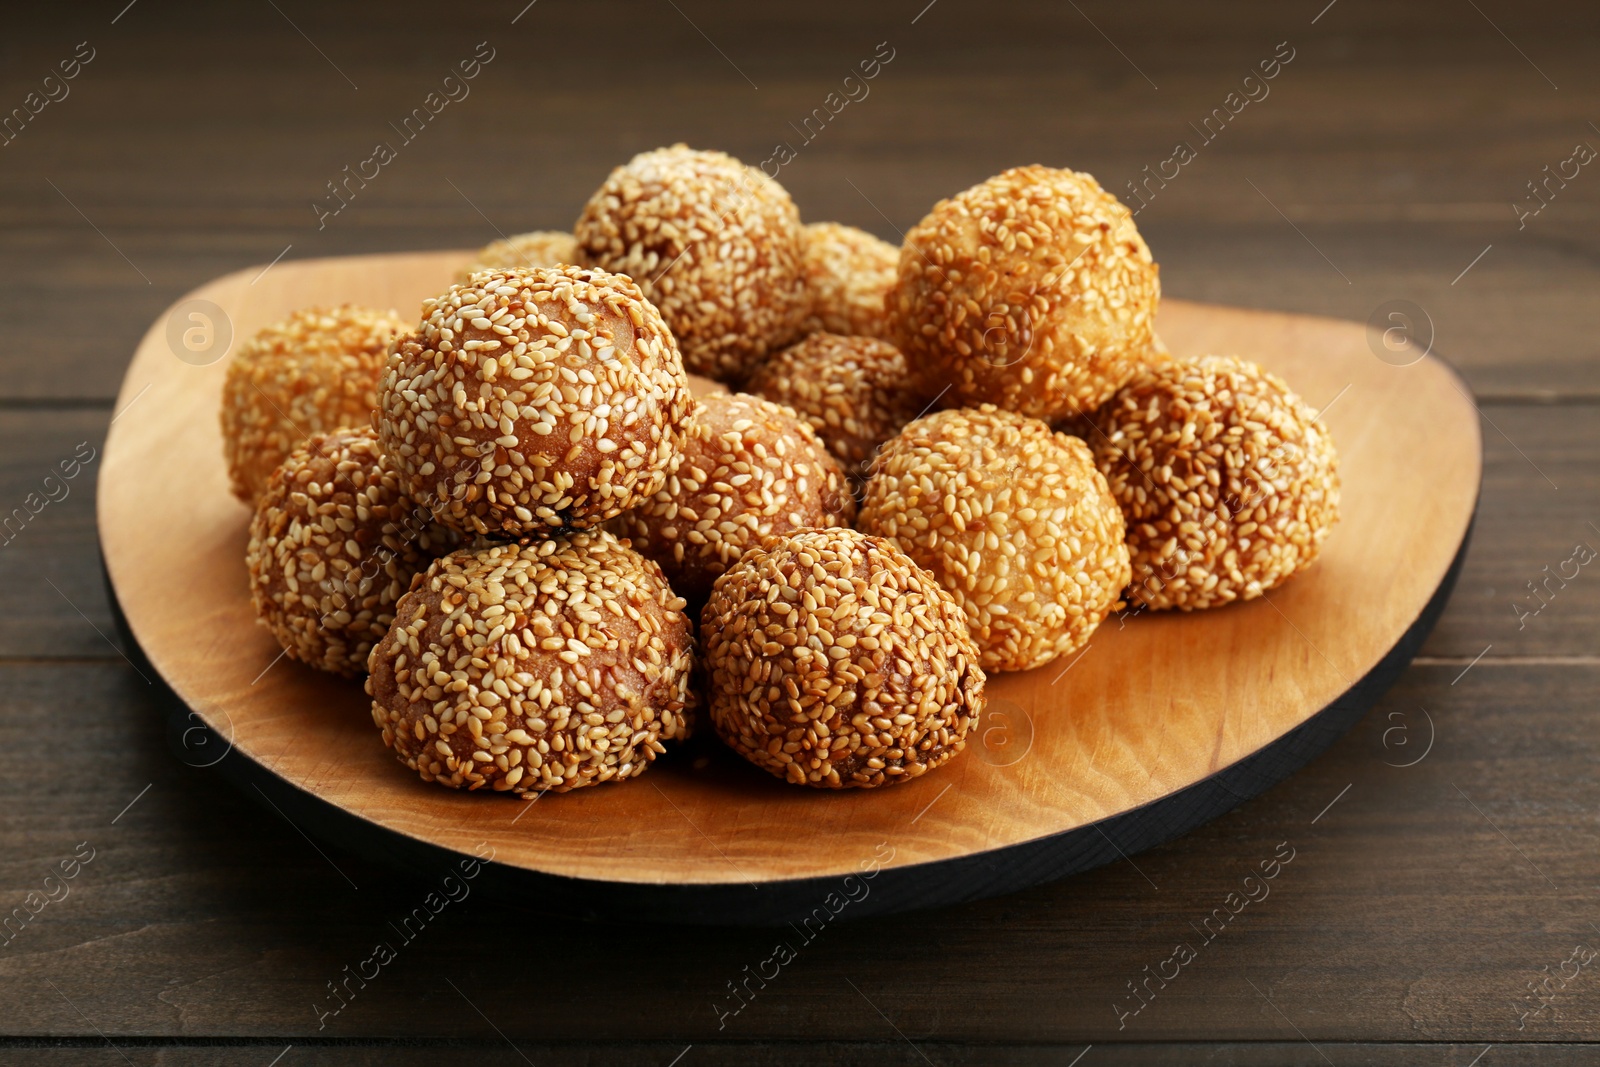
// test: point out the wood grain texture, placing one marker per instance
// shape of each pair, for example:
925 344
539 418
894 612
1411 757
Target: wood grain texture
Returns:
894 1053
1152 707
1404 916
1395 141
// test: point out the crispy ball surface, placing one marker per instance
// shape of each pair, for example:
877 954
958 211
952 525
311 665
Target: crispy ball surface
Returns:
535 399
750 469
1032 291
1229 481
852 390
716 245
836 662
541 248
316 371
1013 519
333 546
558 664
848 273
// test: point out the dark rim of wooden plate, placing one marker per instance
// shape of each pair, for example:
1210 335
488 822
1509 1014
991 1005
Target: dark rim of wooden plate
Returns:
891 889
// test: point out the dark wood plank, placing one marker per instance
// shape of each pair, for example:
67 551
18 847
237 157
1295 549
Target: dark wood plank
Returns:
1399 163
1416 910
1416 906
55 599
1540 503
894 1053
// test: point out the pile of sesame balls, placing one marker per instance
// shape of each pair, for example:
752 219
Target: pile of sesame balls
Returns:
550 554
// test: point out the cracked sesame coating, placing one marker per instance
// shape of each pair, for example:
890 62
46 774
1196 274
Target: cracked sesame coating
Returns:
714 244
1013 519
1032 291
541 248
836 662
750 469
1229 481
852 390
848 273
313 372
533 400
333 546
553 665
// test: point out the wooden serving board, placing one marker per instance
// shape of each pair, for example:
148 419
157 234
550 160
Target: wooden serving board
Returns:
1163 722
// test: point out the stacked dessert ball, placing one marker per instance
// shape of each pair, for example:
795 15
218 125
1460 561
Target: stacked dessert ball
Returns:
954 457
535 400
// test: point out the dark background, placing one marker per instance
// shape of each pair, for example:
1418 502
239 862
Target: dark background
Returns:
1383 164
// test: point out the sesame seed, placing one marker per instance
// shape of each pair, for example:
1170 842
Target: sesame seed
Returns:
314 372
1032 290
834 710
733 487
852 390
849 273
715 244
961 492
1229 480
524 455
329 597
589 702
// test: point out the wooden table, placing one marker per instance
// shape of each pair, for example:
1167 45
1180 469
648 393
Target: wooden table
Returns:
1444 850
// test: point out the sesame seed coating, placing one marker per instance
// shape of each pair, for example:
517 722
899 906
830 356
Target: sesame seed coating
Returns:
313 372
1229 481
535 399
749 469
1032 290
848 273
852 390
333 546
714 244
836 662
1013 519
561 663
541 248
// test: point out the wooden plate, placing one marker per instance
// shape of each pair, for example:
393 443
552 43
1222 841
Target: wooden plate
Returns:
1160 724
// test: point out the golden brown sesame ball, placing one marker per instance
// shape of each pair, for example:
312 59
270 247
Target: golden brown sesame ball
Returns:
1013 519
750 469
313 372
848 273
1032 290
548 666
541 248
836 662
852 390
714 244
333 545
1229 481
532 400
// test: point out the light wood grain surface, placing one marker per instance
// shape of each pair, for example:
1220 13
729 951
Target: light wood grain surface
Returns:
1421 903
1155 703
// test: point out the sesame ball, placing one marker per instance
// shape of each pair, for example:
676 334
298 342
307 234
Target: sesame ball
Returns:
848 273
852 390
836 662
541 248
547 666
313 372
716 245
1013 519
333 546
1229 481
532 400
750 469
1032 290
